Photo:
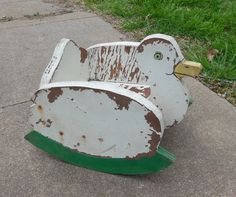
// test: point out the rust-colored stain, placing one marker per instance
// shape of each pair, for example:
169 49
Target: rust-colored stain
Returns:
39 108
116 70
83 55
54 93
127 49
121 101
151 41
145 91
110 63
153 143
135 89
135 72
119 69
103 50
97 90
153 121
78 88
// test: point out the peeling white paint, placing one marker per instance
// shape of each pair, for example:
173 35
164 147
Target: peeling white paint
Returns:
90 122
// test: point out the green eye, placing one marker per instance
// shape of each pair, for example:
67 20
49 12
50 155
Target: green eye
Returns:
158 56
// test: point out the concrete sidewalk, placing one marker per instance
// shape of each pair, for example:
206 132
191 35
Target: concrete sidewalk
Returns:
204 142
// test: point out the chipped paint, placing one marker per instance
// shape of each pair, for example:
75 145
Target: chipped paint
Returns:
105 140
121 101
127 49
114 63
153 121
151 41
44 123
153 144
145 91
77 88
83 54
48 123
54 93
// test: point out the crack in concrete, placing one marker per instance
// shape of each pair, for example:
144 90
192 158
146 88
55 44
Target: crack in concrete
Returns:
36 15
14 104
49 22
39 16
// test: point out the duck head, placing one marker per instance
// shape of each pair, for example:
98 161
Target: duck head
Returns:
161 62
160 54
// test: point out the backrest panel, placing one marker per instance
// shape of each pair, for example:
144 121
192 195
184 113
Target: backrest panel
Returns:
115 62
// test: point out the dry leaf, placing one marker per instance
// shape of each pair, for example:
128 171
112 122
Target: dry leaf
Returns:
211 54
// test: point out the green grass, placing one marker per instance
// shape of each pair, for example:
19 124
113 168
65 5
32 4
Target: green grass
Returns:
199 25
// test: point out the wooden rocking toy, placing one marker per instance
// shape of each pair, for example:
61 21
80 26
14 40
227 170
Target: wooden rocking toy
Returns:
106 107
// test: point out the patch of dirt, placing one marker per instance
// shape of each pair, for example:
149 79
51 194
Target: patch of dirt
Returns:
36 15
65 3
6 19
39 16
225 89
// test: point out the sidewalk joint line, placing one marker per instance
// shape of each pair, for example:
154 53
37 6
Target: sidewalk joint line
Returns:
14 104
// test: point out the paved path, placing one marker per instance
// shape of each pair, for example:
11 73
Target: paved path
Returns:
204 143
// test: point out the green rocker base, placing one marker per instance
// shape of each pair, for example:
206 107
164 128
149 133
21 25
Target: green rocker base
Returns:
161 160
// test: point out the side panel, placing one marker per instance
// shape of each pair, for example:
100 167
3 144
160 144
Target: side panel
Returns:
99 119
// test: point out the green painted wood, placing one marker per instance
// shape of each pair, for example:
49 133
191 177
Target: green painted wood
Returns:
161 160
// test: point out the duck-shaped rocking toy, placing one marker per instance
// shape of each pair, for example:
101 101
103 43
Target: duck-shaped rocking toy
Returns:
106 107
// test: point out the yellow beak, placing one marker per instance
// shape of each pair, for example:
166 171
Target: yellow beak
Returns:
188 68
